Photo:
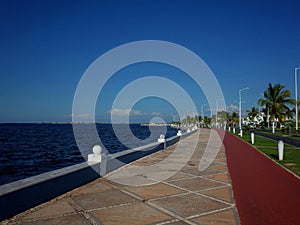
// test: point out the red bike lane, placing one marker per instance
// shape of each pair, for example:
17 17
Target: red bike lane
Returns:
264 192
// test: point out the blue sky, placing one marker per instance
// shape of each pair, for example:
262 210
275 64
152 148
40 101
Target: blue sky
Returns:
46 46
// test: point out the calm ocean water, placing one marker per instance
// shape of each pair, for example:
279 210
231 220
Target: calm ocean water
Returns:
31 149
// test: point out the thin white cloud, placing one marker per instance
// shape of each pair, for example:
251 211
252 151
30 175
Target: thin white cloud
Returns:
232 108
123 112
80 116
155 114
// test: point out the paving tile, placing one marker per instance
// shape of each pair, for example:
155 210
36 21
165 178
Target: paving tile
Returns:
188 205
196 184
194 161
219 167
179 222
103 199
224 194
221 155
131 180
162 174
155 158
222 160
71 219
53 209
223 177
133 214
227 217
145 175
154 191
196 172
179 176
96 186
146 163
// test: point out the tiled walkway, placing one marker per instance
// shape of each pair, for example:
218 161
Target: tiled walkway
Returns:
188 197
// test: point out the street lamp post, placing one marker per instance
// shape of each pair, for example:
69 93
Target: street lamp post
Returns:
202 114
267 108
217 109
217 115
296 96
268 116
240 106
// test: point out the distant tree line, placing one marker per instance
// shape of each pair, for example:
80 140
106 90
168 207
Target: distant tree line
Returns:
277 106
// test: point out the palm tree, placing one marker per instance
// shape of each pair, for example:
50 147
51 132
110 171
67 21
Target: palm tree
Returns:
290 113
276 100
232 118
252 113
207 121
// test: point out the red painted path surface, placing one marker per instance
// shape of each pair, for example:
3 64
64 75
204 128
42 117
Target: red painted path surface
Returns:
264 192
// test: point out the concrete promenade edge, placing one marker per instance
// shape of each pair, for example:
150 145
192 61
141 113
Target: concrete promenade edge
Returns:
188 197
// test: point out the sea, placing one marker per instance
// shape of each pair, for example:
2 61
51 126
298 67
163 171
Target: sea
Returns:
28 149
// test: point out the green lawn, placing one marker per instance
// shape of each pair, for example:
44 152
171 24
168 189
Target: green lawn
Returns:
291 158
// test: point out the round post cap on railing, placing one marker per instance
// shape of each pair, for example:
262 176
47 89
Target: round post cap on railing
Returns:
97 149
96 156
161 138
